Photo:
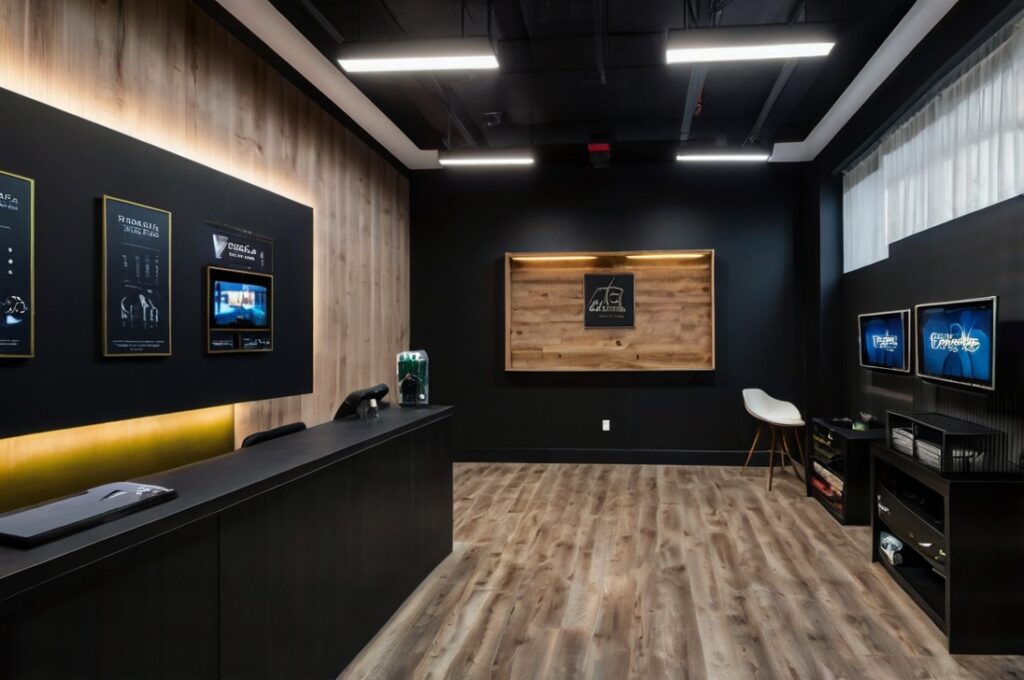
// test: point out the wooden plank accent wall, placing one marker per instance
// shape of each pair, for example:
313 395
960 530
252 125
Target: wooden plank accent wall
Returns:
164 72
675 313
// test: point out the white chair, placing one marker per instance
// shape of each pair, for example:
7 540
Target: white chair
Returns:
782 419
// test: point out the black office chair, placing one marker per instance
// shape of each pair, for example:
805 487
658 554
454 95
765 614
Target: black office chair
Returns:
265 436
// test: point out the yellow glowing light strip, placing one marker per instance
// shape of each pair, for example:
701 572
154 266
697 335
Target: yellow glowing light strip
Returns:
667 256
553 258
45 465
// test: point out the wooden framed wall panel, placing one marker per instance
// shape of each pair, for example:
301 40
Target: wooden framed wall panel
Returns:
674 326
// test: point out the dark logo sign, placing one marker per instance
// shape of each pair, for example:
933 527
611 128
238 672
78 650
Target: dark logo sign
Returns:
241 249
609 300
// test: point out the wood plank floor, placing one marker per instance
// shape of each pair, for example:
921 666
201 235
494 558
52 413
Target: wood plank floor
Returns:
601 571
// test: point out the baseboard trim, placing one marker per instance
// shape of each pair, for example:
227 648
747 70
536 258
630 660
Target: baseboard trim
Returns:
610 456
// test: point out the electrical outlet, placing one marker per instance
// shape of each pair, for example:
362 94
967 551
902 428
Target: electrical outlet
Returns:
606 425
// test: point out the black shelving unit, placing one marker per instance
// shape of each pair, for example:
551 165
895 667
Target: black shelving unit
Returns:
963 554
949 445
840 461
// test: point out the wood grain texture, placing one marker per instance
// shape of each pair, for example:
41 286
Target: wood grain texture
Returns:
674 313
615 571
164 72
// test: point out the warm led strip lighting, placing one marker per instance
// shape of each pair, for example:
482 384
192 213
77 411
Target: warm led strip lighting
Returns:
693 55
553 258
723 157
484 160
442 63
667 256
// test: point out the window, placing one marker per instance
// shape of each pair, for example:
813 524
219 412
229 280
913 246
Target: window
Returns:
961 150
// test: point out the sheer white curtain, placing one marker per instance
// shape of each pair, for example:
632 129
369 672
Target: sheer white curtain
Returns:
961 151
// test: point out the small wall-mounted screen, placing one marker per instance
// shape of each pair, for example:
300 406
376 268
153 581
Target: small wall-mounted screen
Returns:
240 305
240 317
957 342
883 340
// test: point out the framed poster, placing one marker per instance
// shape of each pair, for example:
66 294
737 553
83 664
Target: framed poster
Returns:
611 301
17 266
136 279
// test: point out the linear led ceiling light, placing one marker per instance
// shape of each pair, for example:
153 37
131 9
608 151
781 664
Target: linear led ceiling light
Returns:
448 54
724 157
485 157
703 45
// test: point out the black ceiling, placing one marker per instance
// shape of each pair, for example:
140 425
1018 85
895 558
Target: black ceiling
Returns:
573 71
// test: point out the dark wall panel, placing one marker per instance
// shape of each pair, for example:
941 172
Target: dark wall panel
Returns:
462 224
148 612
973 256
69 383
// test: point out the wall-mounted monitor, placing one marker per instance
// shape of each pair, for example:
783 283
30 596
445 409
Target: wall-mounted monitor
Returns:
883 340
240 311
956 342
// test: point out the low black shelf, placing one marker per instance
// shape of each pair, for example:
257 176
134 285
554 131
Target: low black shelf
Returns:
948 445
839 471
963 552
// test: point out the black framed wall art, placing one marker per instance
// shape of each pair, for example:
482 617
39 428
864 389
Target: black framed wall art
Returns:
610 299
136 279
17 266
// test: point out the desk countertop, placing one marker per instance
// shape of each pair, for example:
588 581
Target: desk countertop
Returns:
207 487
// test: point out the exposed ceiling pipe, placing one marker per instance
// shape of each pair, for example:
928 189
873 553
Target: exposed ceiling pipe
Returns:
600 30
323 21
909 32
442 93
769 103
797 14
471 134
698 73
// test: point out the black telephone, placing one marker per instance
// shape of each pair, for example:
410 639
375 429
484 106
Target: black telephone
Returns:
352 401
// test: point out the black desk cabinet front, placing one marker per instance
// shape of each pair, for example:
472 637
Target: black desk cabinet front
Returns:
284 570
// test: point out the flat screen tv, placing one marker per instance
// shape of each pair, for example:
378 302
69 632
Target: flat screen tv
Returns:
883 340
956 342
240 310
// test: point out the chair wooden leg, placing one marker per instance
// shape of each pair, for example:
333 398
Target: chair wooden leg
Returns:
771 460
789 451
757 435
783 449
800 447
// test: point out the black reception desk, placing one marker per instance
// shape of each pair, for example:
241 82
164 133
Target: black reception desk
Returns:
277 561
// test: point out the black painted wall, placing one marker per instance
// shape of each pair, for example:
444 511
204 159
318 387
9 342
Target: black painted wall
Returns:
976 255
69 383
463 223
